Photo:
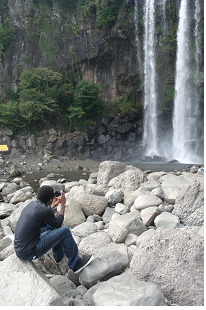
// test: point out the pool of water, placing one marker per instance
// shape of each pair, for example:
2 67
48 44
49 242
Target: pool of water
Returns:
33 179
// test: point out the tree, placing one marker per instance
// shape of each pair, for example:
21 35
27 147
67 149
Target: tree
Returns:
87 97
38 93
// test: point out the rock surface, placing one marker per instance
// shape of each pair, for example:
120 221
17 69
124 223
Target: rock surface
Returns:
20 279
125 290
174 261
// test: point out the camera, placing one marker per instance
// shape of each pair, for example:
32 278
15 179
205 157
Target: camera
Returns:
57 193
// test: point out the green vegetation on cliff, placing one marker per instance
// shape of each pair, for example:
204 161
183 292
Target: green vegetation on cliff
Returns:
44 96
7 38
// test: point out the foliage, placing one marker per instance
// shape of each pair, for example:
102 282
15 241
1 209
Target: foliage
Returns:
12 95
37 95
10 115
87 96
6 36
107 11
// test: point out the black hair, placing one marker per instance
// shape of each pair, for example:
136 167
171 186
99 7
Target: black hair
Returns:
45 193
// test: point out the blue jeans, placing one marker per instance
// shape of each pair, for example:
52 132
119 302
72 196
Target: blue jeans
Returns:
61 241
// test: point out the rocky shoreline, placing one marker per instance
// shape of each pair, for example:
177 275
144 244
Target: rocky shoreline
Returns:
145 230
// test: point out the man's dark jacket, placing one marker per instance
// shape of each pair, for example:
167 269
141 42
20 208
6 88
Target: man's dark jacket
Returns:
27 232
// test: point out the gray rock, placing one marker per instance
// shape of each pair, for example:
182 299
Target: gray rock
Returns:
146 201
149 214
158 192
92 204
62 285
121 208
20 196
189 205
124 128
108 170
73 215
6 252
128 180
79 302
132 224
5 242
28 286
101 139
16 214
107 216
120 235
131 240
6 209
84 229
31 142
89 243
81 289
166 219
114 196
22 145
54 184
130 196
88 296
173 259
69 185
9 188
168 208
150 185
172 186
47 264
103 267
125 290
155 175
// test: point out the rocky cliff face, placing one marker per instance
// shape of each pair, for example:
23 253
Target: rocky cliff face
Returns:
53 37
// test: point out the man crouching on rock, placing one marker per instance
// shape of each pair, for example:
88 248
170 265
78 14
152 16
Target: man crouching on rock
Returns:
38 230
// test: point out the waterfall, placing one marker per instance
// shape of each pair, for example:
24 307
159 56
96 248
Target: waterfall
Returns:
150 113
185 117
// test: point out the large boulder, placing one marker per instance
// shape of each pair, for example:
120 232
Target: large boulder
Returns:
73 215
189 204
92 204
128 180
173 259
108 170
22 195
16 214
172 185
103 267
84 229
23 284
92 241
46 263
54 184
125 290
9 189
62 285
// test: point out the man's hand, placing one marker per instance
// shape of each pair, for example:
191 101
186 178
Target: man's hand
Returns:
62 201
